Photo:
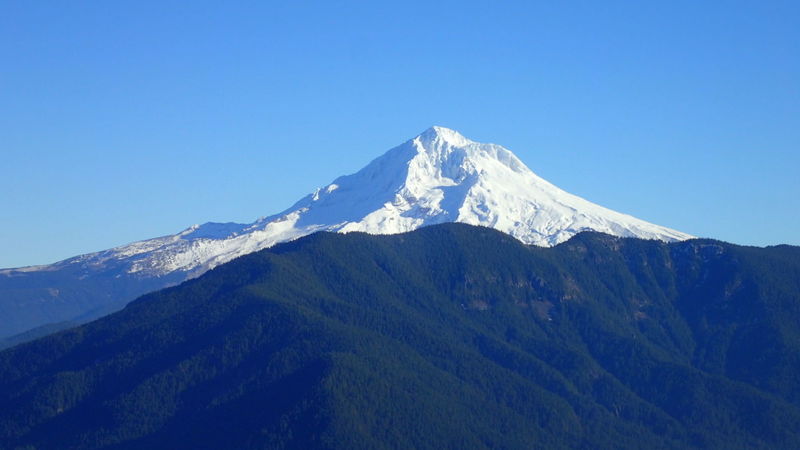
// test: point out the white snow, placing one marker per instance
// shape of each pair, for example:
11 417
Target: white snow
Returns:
439 176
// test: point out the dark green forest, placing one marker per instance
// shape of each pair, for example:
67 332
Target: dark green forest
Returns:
450 336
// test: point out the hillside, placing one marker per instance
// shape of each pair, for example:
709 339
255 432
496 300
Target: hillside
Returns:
450 336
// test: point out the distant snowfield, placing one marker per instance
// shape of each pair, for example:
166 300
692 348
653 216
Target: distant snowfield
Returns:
438 176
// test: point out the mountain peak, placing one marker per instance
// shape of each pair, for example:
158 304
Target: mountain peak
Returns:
444 135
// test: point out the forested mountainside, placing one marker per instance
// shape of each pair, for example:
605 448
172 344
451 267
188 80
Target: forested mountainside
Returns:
450 336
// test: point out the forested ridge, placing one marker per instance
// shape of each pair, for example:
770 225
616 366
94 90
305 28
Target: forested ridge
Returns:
450 336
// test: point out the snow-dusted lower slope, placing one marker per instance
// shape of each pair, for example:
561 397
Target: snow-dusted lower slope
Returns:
439 176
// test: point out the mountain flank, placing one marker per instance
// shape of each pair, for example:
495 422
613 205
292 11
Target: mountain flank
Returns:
450 336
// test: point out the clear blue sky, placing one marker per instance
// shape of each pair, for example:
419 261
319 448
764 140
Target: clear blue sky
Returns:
121 121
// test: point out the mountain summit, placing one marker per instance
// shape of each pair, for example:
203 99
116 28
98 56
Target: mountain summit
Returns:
441 176
438 176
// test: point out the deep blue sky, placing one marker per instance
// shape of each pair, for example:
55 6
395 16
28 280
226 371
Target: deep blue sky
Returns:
121 121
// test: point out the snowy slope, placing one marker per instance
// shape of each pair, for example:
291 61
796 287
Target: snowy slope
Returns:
439 176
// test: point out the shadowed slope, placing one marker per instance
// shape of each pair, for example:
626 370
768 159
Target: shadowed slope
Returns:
451 336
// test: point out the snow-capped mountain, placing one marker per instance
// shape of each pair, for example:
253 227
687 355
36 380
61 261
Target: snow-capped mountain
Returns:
438 176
